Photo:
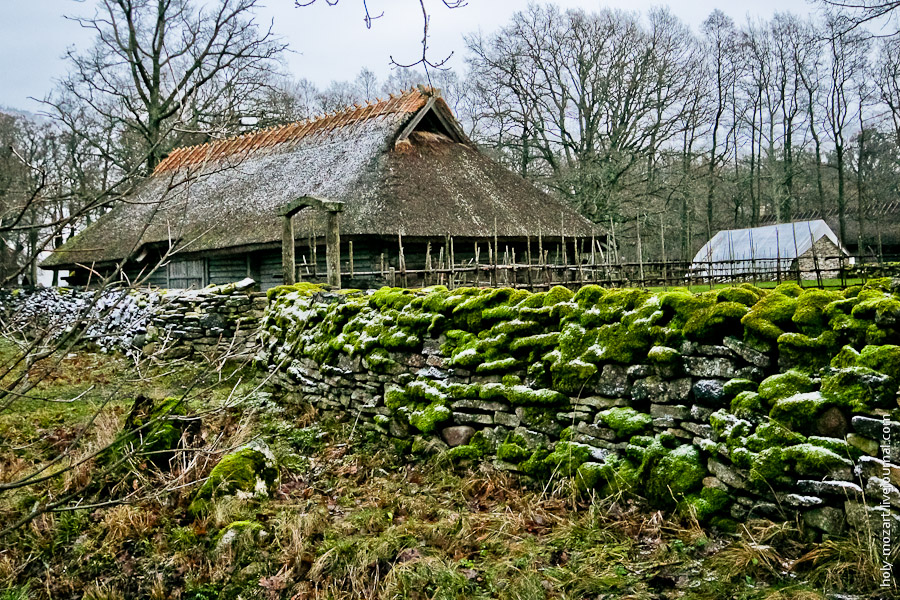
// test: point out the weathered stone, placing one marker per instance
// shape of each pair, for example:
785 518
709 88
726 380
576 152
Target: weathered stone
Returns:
656 389
700 413
826 518
599 402
874 429
730 476
752 356
664 422
881 491
710 367
877 520
613 382
698 429
713 482
799 501
436 361
639 371
868 466
738 512
476 418
845 489
709 391
482 405
533 439
506 419
573 416
432 373
832 423
458 435
679 411
863 444
431 347
602 433
678 433
766 510
711 350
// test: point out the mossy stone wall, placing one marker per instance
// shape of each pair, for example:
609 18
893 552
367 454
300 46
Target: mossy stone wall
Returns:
726 405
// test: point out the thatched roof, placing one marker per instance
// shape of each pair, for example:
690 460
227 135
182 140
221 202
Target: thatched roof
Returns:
399 165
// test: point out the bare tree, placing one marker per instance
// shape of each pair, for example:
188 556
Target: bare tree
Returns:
162 69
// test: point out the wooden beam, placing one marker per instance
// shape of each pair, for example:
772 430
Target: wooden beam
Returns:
287 250
333 248
416 120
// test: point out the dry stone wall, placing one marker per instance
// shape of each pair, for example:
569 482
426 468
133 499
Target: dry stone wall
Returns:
724 405
174 323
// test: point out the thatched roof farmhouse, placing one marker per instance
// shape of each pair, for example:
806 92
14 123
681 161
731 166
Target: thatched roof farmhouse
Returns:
403 167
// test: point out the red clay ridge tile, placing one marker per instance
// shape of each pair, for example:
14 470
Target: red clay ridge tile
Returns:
409 101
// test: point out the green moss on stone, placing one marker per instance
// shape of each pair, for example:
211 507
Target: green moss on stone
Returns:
860 389
807 353
748 405
625 421
739 295
884 359
567 457
800 411
809 459
588 295
558 294
497 366
733 387
772 434
768 319
783 385
810 316
248 471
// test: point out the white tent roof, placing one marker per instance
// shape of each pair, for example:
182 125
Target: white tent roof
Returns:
763 247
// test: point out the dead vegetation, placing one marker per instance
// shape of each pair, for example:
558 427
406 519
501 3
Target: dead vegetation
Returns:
352 518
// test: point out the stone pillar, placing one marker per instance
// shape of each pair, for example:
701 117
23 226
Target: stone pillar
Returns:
287 250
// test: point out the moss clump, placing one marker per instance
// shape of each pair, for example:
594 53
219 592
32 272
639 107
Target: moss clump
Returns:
422 404
536 466
705 505
572 375
769 468
513 450
771 435
729 427
810 316
884 359
838 446
567 457
748 405
667 474
739 295
589 475
388 297
589 295
800 411
785 384
558 294
768 319
524 395
807 353
620 344
625 421
860 389
664 356
500 365
303 289
151 433
847 357
715 322
809 459
733 387
535 342
789 288
250 472
477 448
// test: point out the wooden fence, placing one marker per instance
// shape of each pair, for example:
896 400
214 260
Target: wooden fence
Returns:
535 273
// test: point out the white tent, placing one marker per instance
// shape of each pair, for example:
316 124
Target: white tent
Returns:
761 249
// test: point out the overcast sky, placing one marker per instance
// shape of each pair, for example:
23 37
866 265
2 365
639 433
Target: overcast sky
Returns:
328 42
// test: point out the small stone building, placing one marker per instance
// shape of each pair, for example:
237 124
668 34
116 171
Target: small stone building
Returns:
395 173
765 251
